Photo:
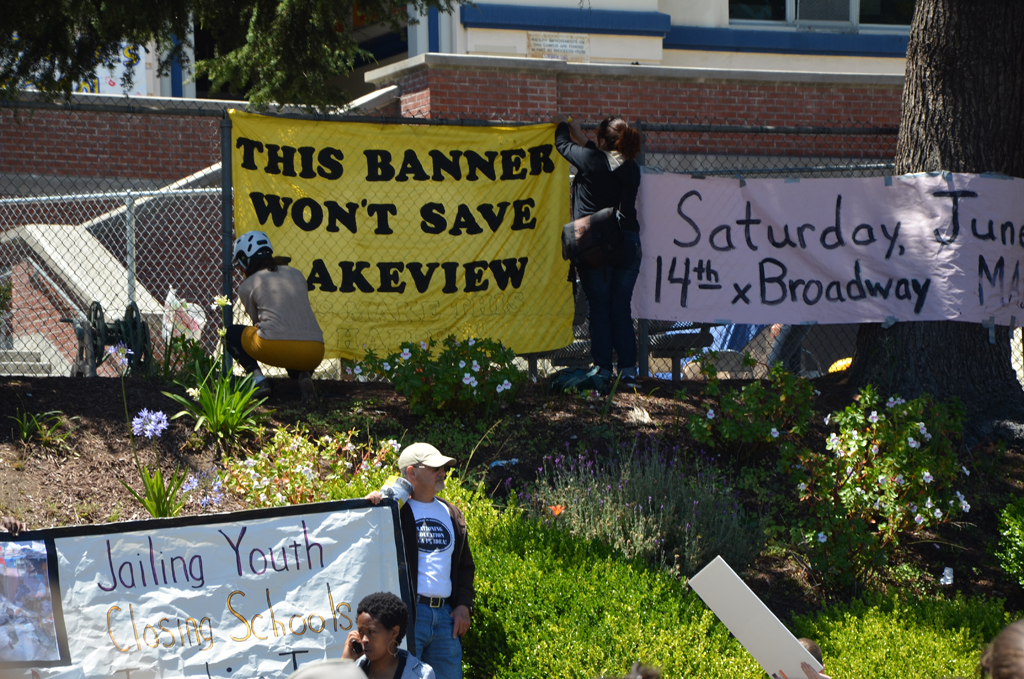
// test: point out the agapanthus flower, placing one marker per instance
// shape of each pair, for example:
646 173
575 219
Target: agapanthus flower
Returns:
149 423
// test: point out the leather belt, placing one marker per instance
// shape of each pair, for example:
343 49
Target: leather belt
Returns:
432 601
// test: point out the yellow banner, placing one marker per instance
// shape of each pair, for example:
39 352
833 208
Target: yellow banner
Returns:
410 232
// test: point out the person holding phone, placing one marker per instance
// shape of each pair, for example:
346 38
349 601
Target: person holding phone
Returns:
381 620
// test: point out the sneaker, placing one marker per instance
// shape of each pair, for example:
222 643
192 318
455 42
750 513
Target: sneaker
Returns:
628 381
263 389
306 387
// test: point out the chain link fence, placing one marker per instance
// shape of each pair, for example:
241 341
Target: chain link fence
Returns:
103 202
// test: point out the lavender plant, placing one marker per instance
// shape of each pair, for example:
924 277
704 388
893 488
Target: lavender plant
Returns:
648 505
890 472
464 376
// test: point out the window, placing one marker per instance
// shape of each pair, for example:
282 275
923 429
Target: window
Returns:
884 12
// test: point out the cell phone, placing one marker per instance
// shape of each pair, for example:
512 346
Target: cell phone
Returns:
357 647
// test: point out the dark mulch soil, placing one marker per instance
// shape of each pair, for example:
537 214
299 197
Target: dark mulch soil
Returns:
79 481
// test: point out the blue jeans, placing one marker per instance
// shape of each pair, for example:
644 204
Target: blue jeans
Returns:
609 291
434 643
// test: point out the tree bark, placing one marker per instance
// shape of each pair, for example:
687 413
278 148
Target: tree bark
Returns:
963 111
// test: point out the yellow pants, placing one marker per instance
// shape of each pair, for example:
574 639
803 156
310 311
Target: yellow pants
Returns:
298 355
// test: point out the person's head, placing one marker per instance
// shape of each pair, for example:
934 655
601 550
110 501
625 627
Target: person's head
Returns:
425 468
382 619
1004 657
813 648
329 669
615 134
254 252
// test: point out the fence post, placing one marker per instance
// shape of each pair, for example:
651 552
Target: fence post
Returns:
643 339
226 218
129 204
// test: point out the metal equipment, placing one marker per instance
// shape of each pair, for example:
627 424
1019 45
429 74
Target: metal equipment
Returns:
95 334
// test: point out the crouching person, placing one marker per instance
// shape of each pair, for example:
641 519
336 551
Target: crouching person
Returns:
285 332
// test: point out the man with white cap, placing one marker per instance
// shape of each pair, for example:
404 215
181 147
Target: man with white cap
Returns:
442 570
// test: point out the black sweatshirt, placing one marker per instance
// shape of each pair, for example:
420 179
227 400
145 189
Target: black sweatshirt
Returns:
597 185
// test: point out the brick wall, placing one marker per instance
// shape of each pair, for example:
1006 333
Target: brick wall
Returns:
86 144
489 93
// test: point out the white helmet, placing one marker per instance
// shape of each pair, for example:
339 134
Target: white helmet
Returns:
251 244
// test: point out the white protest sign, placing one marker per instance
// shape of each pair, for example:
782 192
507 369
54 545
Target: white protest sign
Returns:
922 247
251 594
750 621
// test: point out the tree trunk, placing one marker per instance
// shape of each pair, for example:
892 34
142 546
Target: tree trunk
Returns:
963 111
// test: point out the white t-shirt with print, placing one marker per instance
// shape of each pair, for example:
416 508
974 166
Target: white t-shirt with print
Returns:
435 537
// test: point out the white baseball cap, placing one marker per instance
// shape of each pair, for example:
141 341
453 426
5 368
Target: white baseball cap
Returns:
422 454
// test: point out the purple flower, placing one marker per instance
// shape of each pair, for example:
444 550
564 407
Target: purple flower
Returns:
149 423
927 477
873 417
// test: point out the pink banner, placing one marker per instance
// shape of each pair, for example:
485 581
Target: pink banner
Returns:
923 247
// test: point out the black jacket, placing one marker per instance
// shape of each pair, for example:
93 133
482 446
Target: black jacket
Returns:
597 186
463 569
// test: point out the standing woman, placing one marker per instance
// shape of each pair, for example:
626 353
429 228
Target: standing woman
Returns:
285 332
607 176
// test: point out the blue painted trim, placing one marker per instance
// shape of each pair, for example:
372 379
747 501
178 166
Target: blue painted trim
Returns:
433 31
785 42
176 80
565 20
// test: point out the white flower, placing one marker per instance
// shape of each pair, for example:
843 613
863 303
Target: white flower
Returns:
775 433
471 341
833 442
193 393
966 507
466 379
912 443
348 370
919 519
881 479
220 301
874 449
938 513
873 417
506 384
500 388
921 428
473 382
966 471
406 354
927 436
423 345
928 503
926 477
462 364
822 537
476 367
817 393
899 479
386 365
828 418
357 370
711 414
802 487
395 445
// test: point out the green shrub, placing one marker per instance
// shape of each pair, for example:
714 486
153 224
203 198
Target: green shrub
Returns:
888 636
1011 540
891 471
224 410
294 468
553 605
746 422
465 376
648 506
